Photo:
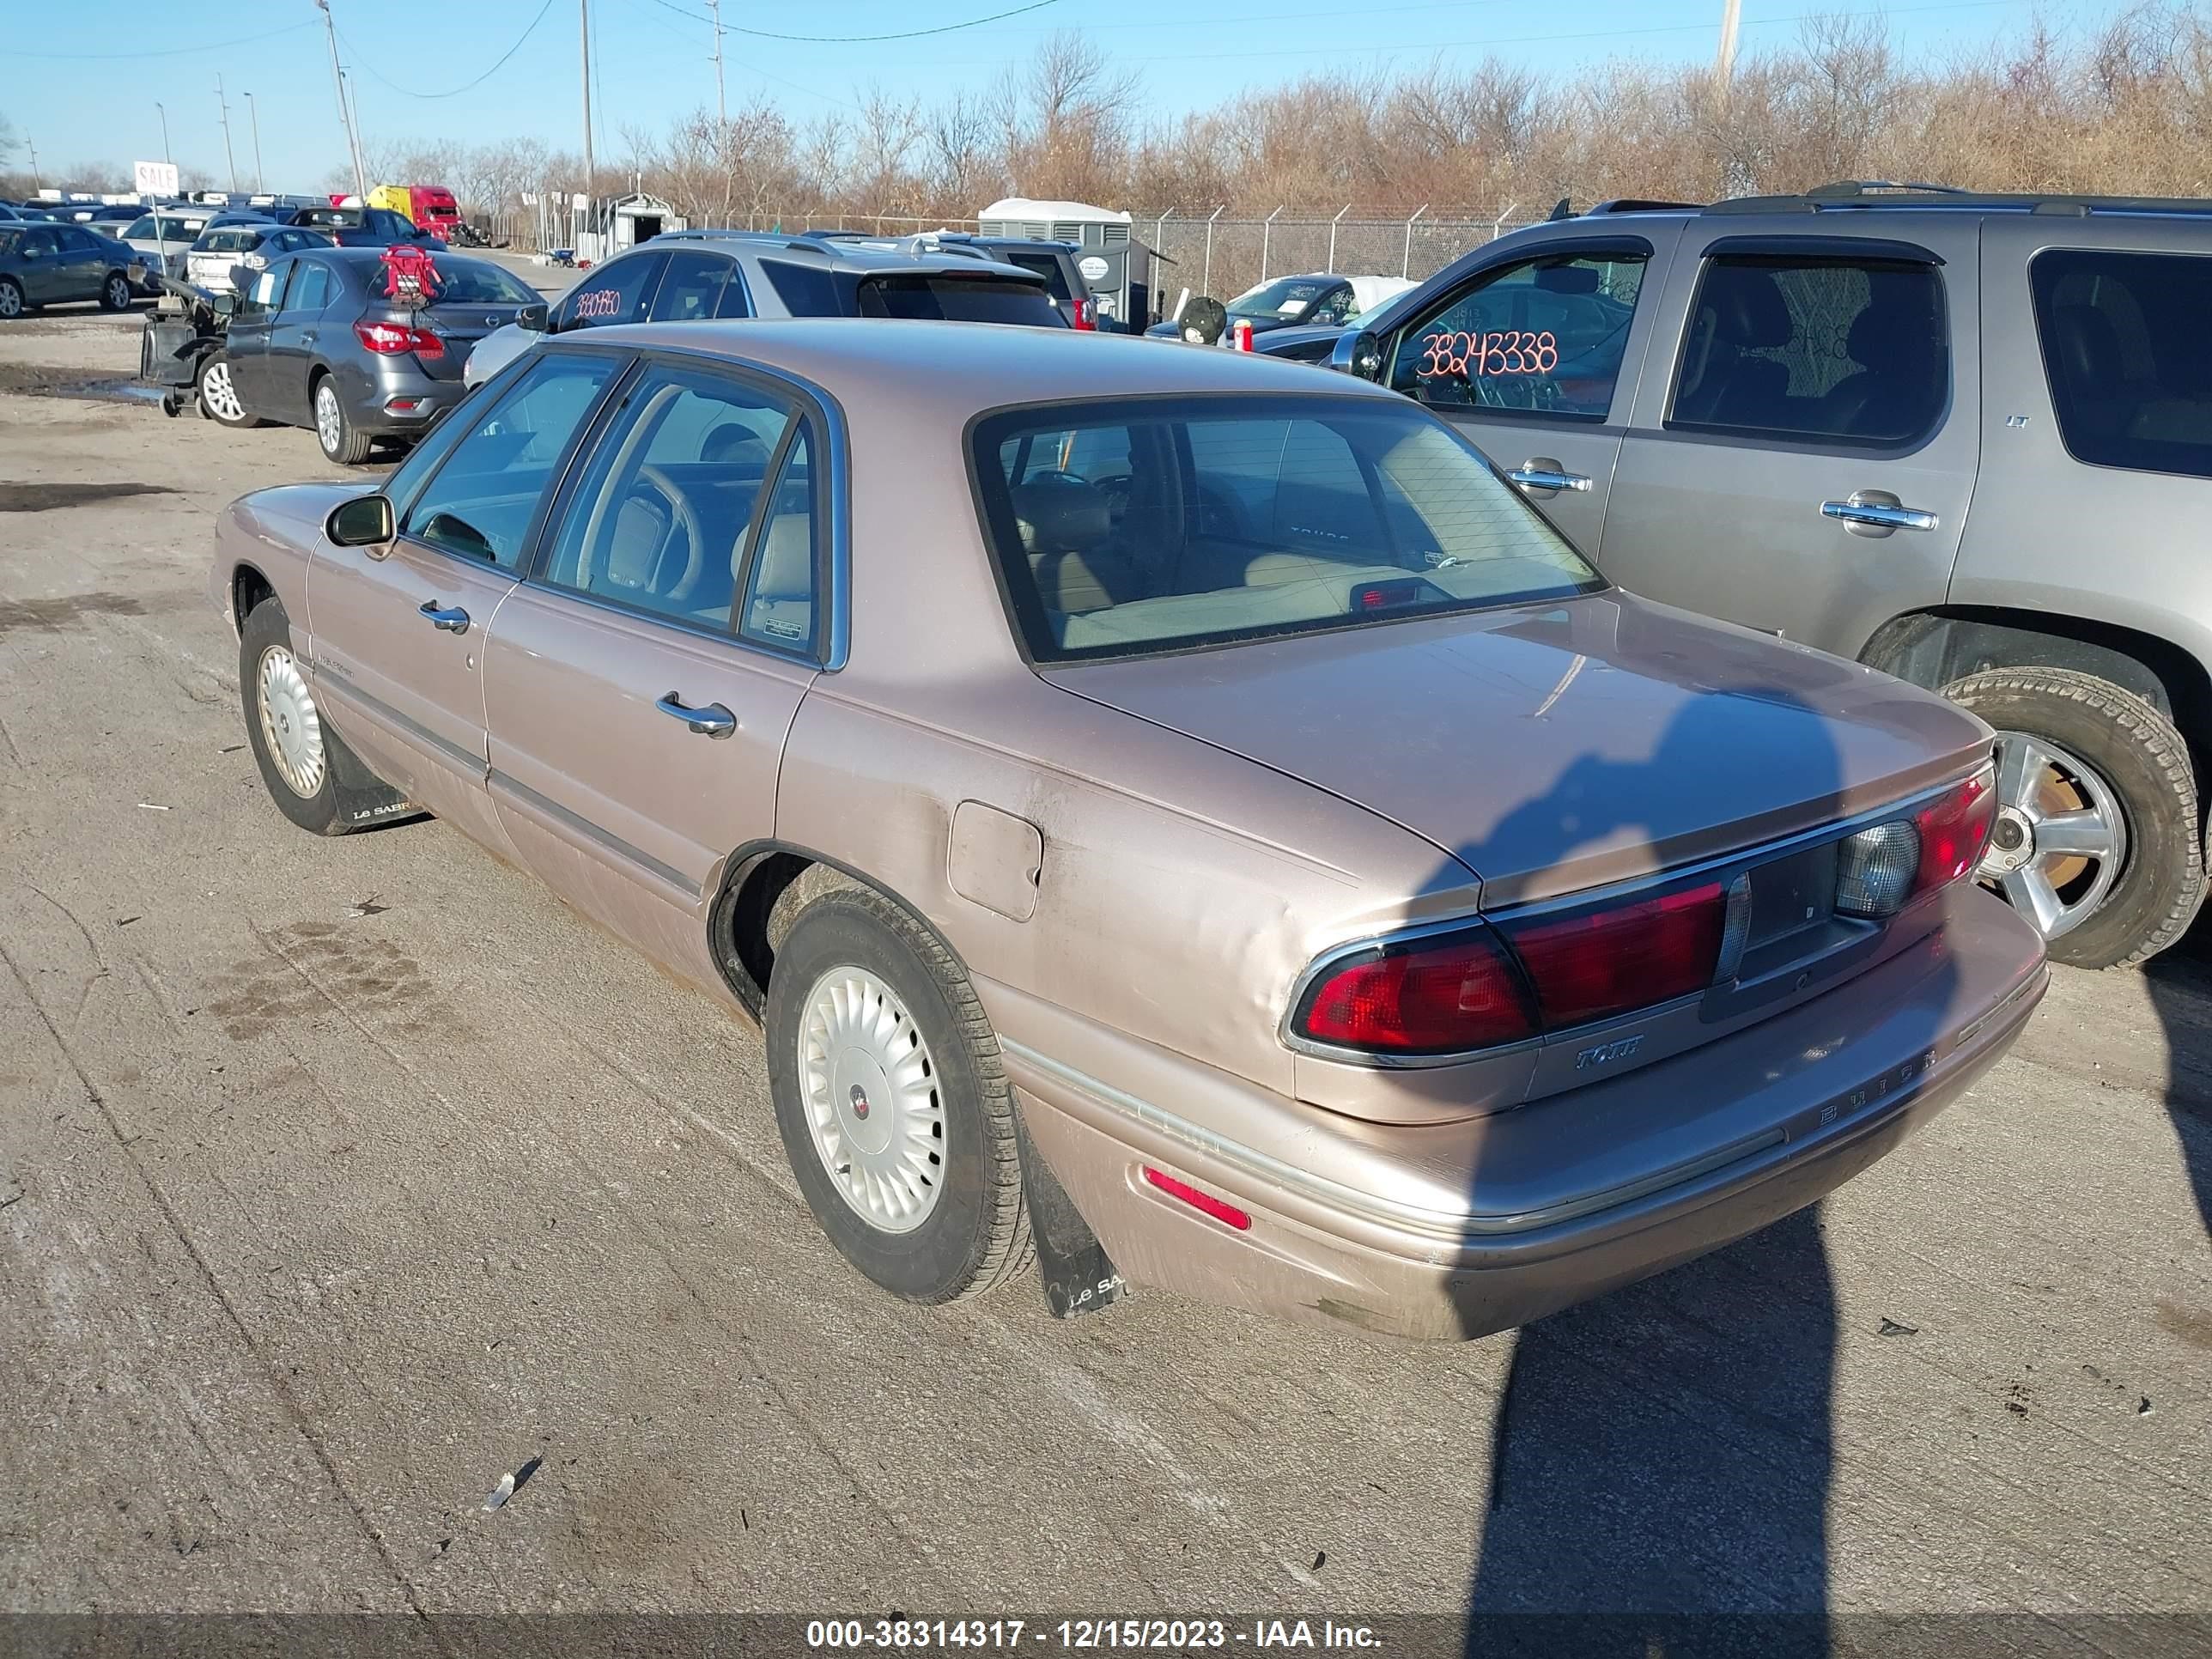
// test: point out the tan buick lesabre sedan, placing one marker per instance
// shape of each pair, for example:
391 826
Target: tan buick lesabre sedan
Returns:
1176 809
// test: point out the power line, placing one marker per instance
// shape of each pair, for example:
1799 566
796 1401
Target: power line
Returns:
858 40
165 51
500 63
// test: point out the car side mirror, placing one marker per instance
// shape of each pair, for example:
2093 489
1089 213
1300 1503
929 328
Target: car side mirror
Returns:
364 521
226 305
1360 354
538 319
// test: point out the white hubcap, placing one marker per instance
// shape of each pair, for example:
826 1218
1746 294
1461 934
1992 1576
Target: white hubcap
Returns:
870 1091
2060 838
291 728
329 425
219 394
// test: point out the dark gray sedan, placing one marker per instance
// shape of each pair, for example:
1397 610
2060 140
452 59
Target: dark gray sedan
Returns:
43 265
320 340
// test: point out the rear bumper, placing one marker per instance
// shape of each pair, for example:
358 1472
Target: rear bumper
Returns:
393 398
1397 1229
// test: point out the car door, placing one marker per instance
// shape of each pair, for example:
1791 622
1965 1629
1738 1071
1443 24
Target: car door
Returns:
1803 452
640 685
1531 357
399 628
82 265
294 335
39 265
245 342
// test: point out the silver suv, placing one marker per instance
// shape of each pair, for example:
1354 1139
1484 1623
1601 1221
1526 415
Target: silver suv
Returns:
689 276
1963 439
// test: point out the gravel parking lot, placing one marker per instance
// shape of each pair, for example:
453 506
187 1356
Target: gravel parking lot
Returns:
339 1179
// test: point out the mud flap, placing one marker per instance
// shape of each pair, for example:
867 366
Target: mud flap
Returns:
1078 1276
362 797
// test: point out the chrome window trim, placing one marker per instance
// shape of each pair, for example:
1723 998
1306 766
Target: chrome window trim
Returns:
1726 866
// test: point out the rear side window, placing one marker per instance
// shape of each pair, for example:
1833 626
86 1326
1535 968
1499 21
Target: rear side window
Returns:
806 290
2125 350
1836 350
948 299
1543 336
311 287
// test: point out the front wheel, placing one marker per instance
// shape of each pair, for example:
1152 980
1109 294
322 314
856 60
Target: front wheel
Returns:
893 1102
218 390
2097 840
341 440
115 292
314 779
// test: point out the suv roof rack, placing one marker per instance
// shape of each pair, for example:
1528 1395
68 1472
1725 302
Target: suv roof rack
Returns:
1862 195
1641 204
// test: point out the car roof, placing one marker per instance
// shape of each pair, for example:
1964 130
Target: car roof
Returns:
949 372
1886 199
829 253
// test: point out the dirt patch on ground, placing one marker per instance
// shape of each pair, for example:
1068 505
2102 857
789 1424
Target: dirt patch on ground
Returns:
45 497
38 377
54 614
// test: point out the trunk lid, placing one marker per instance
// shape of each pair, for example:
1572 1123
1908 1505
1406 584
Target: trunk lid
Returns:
458 323
1551 749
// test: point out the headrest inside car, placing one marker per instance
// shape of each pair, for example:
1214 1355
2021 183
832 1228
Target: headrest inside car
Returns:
1065 515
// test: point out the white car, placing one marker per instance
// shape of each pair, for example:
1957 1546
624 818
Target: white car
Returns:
163 237
210 260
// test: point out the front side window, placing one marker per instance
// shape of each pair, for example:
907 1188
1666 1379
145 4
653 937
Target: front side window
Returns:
2123 346
1333 309
690 288
479 504
960 299
616 295
1546 336
1837 350
661 518
1126 529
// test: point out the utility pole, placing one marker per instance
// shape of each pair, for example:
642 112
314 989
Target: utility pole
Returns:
165 154
223 104
34 149
721 108
583 8
253 111
346 110
1724 66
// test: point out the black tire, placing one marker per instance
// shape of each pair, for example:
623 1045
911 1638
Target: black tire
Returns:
348 796
12 302
352 445
2145 764
115 292
221 402
976 1236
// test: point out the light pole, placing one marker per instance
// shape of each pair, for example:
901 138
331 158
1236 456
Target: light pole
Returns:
1725 63
346 112
223 104
164 114
253 112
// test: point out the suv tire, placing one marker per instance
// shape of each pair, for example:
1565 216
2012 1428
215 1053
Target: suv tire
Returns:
2141 765
872 1031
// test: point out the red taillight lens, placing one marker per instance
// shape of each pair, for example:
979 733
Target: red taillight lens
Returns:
1436 999
389 339
1205 1203
1955 831
1083 313
1608 962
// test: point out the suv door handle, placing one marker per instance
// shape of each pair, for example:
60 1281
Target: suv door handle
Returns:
714 720
454 621
1878 510
1542 472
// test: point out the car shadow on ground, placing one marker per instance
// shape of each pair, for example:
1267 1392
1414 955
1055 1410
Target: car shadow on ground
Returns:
1661 1454
2180 987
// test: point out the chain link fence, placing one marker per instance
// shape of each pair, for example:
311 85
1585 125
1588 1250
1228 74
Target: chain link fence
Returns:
1214 254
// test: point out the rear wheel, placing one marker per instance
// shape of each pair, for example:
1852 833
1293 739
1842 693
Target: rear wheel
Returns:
2097 840
341 440
115 292
893 1102
11 299
218 398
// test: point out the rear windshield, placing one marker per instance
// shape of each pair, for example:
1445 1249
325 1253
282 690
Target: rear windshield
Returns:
237 238
1055 280
935 298
343 218
473 282
1285 297
2129 362
1132 528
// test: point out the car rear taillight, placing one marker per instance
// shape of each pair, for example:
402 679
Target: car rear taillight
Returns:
1083 313
389 339
1955 831
1632 956
1419 996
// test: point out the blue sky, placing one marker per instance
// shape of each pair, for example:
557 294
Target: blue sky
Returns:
74 96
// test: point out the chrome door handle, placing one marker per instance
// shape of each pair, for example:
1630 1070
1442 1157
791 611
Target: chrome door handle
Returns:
1530 476
308 337
1882 515
712 721
454 621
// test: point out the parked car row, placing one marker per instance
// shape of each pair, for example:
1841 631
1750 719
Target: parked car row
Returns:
1183 812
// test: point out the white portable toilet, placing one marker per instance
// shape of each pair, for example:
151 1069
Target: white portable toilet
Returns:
1115 268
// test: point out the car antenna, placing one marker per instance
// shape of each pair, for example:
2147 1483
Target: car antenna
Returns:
1563 208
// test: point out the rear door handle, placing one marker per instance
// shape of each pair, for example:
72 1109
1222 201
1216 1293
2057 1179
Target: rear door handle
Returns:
452 620
1878 510
1544 473
713 720
307 336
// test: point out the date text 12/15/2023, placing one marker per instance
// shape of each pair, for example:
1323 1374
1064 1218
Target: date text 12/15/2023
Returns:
1083 1635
